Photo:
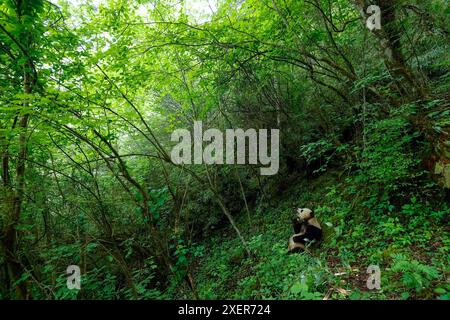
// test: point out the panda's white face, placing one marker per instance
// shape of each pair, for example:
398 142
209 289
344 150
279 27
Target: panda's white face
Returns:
304 213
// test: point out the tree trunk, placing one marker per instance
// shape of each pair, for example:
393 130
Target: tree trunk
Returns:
390 41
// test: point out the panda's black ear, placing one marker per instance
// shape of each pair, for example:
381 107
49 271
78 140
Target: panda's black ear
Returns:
312 214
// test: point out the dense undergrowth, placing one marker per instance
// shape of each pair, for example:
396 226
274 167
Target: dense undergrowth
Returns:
410 245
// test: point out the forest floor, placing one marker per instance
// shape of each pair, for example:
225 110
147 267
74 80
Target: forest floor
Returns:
410 248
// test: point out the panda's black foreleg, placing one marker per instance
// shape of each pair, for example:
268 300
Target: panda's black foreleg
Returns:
300 238
297 226
311 234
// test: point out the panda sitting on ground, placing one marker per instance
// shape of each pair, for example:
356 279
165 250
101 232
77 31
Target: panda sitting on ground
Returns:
307 230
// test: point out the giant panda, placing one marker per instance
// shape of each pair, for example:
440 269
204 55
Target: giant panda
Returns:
307 230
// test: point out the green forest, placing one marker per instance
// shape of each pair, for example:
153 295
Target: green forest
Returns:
342 107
